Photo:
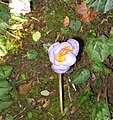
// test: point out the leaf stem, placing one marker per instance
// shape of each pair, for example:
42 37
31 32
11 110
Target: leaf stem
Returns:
60 92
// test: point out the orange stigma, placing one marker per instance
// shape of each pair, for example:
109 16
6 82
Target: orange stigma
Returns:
60 57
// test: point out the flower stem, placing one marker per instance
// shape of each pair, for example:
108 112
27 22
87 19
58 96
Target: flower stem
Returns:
60 92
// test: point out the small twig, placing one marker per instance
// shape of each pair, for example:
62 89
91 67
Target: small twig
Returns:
35 19
4 3
58 35
20 112
69 94
17 37
72 85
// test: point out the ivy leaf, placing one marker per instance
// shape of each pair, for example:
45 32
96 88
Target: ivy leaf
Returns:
5 71
98 48
5 104
75 25
80 76
100 5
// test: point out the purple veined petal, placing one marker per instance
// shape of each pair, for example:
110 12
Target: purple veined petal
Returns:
59 47
53 46
74 43
60 69
51 51
70 59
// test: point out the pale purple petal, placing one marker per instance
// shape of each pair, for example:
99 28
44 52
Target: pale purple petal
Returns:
74 43
51 51
53 46
60 69
59 47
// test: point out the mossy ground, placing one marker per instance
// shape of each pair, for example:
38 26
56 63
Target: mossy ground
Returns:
27 107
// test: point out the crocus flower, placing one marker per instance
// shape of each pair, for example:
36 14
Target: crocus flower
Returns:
20 6
63 55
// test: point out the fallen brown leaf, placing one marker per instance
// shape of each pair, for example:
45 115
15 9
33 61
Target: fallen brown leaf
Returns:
24 88
44 101
86 14
66 21
0 117
73 109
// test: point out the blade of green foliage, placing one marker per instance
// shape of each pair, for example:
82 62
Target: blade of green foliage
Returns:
5 71
5 104
80 76
85 96
98 48
100 111
100 5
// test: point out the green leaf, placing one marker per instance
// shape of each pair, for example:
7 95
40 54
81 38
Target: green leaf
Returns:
111 41
4 91
32 54
5 71
36 36
4 13
5 97
4 18
111 33
85 96
46 46
29 115
5 104
3 26
19 18
98 48
2 40
9 117
100 5
4 84
80 76
75 25
3 50
100 111
97 67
